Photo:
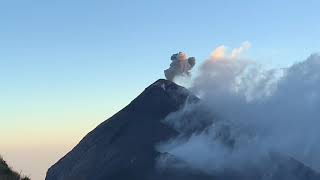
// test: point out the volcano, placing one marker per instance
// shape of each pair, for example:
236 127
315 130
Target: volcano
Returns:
123 147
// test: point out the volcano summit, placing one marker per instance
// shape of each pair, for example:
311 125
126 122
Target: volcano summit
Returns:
124 147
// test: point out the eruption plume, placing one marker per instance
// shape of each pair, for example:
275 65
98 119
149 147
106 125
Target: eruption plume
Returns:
180 66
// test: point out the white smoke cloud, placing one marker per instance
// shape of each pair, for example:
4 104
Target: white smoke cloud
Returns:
237 51
221 52
246 112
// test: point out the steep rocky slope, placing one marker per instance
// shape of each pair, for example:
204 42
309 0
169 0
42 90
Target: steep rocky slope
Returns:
123 147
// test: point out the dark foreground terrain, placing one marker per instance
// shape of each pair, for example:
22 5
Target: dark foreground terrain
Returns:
6 173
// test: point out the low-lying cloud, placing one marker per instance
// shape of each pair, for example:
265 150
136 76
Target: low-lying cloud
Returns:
246 112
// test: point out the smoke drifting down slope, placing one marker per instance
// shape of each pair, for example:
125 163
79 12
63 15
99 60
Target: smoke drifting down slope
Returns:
247 113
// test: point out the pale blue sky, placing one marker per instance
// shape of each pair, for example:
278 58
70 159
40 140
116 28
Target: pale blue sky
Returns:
66 65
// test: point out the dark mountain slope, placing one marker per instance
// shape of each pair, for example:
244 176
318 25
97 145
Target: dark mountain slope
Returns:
123 147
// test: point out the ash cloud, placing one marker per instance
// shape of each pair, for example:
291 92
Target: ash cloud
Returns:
181 65
246 112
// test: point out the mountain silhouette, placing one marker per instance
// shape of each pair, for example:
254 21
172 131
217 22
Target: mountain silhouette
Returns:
123 147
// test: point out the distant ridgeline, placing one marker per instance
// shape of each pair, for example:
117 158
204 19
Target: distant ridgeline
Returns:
6 173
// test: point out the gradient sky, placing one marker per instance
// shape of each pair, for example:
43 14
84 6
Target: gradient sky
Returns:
66 65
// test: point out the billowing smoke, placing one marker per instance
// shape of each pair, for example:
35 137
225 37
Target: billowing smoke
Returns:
180 66
221 52
246 112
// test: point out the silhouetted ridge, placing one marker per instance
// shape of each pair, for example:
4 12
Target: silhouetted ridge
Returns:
6 173
122 147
